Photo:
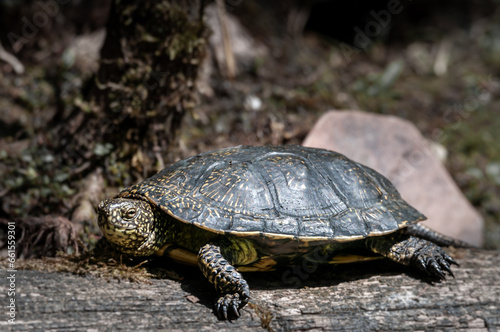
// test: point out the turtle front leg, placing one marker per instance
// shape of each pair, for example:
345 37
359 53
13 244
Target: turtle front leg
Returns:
229 283
413 251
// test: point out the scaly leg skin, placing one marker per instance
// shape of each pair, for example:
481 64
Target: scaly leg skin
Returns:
413 251
421 231
233 289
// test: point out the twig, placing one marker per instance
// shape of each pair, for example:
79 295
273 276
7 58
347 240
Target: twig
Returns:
226 40
11 60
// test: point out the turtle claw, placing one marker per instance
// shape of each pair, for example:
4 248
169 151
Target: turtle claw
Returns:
433 260
445 265
450 260
227 307
235 310
436 270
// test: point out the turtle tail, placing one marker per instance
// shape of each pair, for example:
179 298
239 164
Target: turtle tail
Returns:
421 231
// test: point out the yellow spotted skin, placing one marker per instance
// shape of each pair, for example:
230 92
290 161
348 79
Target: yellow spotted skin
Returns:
226 279
256 208
127 225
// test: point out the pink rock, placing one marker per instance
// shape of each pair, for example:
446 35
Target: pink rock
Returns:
395 148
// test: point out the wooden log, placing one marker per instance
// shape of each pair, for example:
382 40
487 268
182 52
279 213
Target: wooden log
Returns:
376 295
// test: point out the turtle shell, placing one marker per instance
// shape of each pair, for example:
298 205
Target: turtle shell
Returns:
278 192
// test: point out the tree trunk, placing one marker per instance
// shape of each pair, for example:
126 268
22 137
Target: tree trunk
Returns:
133 107
368 296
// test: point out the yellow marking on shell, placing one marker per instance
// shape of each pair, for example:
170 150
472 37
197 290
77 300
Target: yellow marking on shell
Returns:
264 265
346 259
248 269
358 216
236 202
183 256
376 233
214 193
161 251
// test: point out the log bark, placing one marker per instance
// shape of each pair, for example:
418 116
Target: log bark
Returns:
363 297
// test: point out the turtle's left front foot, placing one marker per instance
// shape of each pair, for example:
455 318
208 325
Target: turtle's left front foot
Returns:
228 306
228 282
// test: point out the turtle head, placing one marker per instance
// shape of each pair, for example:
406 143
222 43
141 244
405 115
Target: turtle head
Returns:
128 224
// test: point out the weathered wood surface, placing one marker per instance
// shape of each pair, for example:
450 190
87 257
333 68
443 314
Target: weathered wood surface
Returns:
371 296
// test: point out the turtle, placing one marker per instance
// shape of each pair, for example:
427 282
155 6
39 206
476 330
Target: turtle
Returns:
257 208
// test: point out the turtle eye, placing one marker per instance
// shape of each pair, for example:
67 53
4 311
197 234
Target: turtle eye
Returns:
130 213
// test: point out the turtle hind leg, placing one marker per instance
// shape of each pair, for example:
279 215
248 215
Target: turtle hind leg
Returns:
413 251
233 289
